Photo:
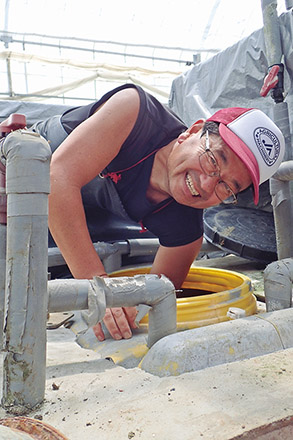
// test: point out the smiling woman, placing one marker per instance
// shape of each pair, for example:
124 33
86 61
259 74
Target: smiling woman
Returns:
130 155
205 170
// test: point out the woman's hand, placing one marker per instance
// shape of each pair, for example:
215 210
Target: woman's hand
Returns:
119 322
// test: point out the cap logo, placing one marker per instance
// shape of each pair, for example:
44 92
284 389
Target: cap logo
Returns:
268 145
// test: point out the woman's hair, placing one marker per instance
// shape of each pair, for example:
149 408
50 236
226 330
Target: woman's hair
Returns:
212 127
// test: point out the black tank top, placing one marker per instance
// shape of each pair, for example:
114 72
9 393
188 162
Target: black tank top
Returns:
156 126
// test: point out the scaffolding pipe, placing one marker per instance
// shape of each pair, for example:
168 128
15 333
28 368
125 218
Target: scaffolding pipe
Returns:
99 293
27 158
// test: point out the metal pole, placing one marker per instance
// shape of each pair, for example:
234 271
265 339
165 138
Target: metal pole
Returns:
271 31
6 20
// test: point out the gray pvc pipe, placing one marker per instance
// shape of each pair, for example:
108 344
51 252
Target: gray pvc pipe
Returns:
131 247
279 184
2 279
278 278
281 201
274 53
96 295
285 171
3 222
281 118
27 185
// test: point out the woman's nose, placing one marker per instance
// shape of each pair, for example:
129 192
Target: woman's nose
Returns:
208 184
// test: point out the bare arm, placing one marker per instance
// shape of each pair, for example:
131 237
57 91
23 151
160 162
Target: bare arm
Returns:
175 262
81 157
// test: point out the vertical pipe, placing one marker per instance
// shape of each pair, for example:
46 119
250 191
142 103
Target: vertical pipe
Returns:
112 262
281 201
9 76
3 222
2 279
274 52
281 118
271 31
27 186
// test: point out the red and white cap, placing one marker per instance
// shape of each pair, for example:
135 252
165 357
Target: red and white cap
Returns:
255 139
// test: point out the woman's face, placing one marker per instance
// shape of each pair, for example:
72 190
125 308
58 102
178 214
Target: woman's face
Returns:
188 184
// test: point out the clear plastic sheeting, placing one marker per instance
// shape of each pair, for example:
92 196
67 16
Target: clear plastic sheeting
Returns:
88 72
33 111
232 78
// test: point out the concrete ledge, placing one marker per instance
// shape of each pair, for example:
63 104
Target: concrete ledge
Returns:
226 342
282 322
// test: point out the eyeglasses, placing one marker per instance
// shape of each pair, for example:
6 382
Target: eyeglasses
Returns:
210 167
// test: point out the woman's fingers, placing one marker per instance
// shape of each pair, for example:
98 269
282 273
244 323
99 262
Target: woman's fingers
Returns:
97 329
130 313
119 322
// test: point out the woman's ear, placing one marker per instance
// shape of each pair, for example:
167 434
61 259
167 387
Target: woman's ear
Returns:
194 128
183 136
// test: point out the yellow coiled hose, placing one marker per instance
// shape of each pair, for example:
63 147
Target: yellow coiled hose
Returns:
229 289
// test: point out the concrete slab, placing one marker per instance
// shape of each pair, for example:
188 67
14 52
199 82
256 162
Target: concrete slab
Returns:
90 397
